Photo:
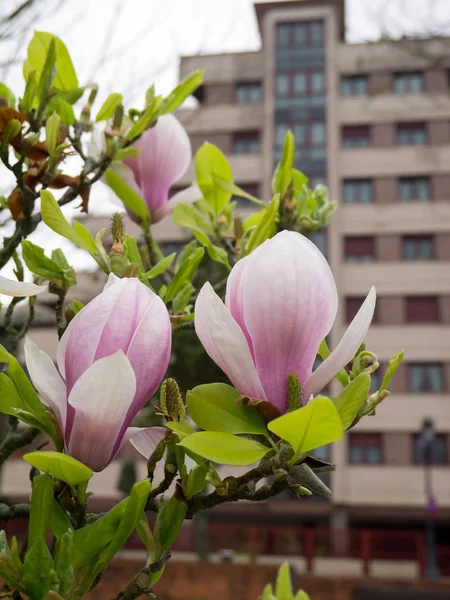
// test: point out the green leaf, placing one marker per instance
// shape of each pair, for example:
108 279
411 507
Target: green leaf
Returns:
350 400
181 429
314 425
267 593
109 107
40 509
171 519
184 274
69 97
187 215
4 543
60 466
394 364
224 448
53 217
210 163
235 190
59 522
12 129
52 132
299 181
9 396
266 228
160 267
63 562
124 153
132 253
37 570
283 173
66 78
214 252
150 114
183 90
196 481
65 111
284 585
301 595
213 407
129 197
30 93
6 93
38 263
47 76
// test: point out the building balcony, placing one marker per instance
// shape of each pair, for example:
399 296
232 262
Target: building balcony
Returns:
410 278
419 218
222 118
386 108
394 160
427 343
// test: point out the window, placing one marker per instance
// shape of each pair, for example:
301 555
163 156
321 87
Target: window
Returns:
317 81
366 448
405 83
292 84
411 133
354 85
319 238
359 249
414 188
422 310
248 93
318 134
250 188
437 451
356 136
358 191
283 84
426 377
352 306
300 35
246 142
418 247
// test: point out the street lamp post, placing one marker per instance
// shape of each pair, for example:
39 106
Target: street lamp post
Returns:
426 451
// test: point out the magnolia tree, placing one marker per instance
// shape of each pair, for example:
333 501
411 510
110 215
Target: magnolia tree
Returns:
280 302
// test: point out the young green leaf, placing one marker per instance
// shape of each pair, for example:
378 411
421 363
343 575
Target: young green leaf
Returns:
6 93
302 595
196 481
213 407
394 364
224 448
210 162
184 274
38 263
129 197
266 228
59 522
28 101
235 190
181 429
314 425
181 92
51 132
132 253
65 111
47 76
170 522
351 399
66 78
109 107
283 174
37 571
53 217
40 509
284 585
160 267
150 114
63 562
60 466
188 215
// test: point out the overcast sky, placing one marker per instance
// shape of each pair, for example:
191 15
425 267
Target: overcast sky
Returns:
125 45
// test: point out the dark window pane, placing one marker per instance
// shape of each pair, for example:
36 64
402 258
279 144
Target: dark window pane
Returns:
411 133
359 249
414 188
248 93
366 448
405 83
300 84
316 32
283 34
318 134
358 191
354 85
436 453
317 82
357 136
246 142
425 377
418 247
422 310
282 84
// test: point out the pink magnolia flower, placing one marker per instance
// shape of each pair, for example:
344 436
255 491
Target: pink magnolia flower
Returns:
9 287
111 359
165 156
281 302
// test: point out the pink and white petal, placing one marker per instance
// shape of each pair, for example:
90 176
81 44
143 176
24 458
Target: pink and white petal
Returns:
225 342
165 157
125 172
46 380
187 196
101 398
290 303
345 350
234 296
9 287
145 439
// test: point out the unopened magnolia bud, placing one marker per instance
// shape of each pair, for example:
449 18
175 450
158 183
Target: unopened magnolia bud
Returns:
118 118
72 309
117 228
171 401
238 228
222 220
294 391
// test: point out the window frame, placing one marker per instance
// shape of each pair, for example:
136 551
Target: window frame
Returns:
427 389
352 257
366 446
417 239
248 88
350 133
406 79
358 185
422 305
246 139
414 183
350 82
410 130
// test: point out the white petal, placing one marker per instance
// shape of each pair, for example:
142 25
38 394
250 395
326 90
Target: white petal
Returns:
186 196
46 380
101 398
20 288
145 439
345 350
225 342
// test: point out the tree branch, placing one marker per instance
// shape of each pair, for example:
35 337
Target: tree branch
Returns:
140 583
15 440
13 511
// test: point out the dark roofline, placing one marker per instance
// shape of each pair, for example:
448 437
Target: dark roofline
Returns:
261 8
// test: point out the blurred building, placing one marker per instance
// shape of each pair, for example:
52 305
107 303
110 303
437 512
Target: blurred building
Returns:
372 121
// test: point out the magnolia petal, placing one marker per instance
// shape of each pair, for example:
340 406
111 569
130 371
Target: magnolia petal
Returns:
290 303
9 287
234 296
345 350
225 342
145 439
187 196
101 398
46 380
165 156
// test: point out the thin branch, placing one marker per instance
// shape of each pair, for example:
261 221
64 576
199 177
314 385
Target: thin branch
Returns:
15 440
13 511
